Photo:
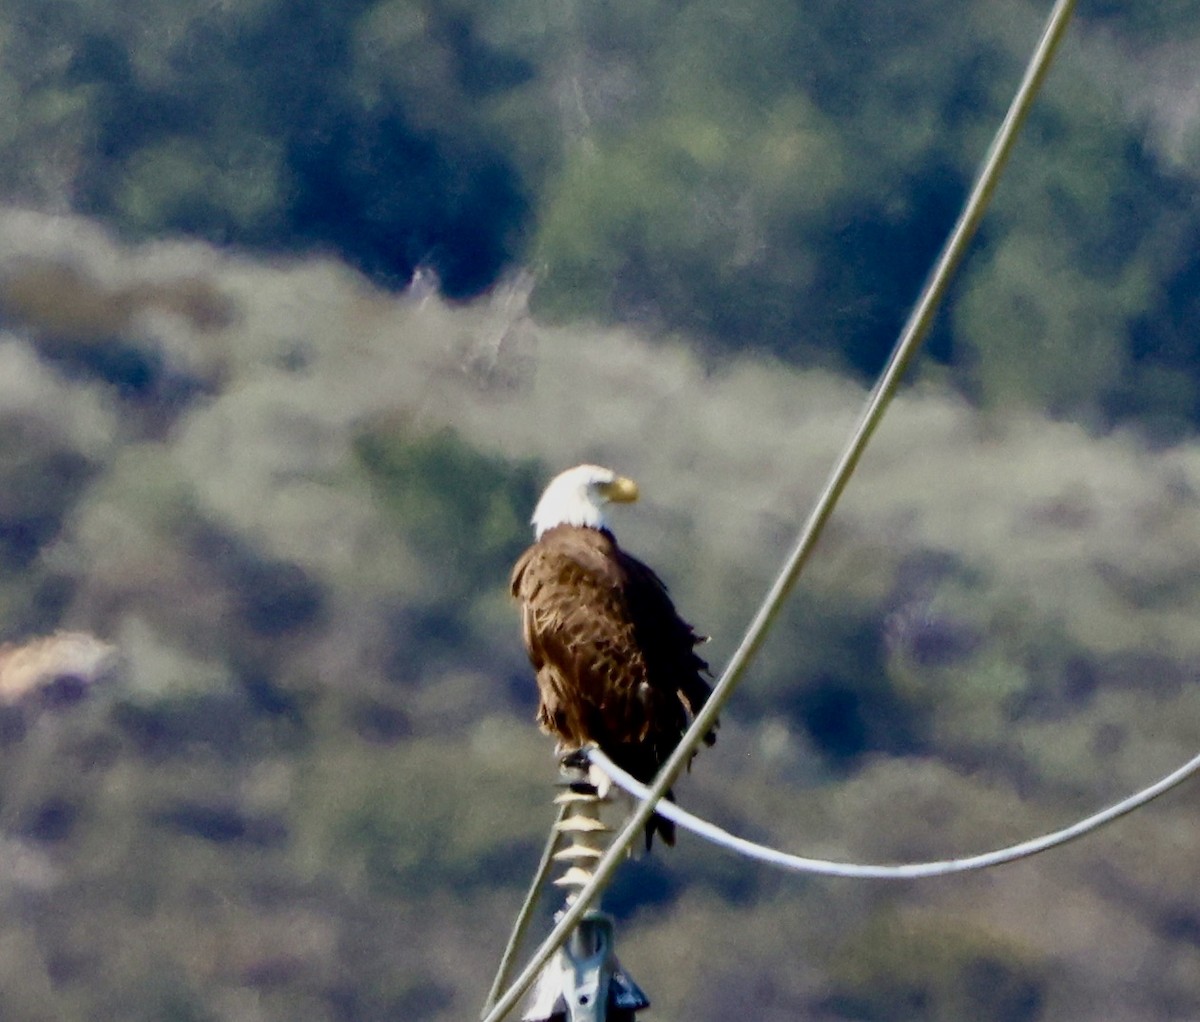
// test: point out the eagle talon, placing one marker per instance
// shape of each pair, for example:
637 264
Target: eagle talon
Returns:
574 759
580 788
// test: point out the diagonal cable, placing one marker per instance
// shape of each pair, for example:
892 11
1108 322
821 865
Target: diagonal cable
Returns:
906 348
504 969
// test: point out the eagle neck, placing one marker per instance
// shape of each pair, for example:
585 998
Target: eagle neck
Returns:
566 528
581 517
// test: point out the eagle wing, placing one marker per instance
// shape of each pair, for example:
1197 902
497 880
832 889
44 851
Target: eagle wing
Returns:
581 641
668 643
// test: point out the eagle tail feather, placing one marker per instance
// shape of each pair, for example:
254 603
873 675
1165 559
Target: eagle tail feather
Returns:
661 826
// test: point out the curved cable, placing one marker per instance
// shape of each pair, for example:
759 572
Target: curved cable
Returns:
906 348
906 871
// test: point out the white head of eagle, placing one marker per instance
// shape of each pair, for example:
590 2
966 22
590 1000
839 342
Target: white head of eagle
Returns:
615 663
578 496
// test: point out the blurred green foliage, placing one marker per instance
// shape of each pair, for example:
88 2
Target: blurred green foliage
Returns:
457 505
291 501
316 786
927 971
681 167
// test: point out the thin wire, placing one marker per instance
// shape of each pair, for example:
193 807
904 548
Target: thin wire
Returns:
526 913
906 347
906 871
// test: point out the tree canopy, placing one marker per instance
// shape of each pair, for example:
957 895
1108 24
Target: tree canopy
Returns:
771 175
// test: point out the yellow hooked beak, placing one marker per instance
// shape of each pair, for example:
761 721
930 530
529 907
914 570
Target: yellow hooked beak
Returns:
620 490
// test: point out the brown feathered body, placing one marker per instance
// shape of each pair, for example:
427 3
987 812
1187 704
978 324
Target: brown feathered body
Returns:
615 663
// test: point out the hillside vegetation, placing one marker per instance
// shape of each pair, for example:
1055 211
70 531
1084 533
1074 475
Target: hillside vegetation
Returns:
315 787
766 176
301 305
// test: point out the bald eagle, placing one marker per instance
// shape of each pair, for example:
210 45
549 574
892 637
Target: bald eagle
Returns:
615 663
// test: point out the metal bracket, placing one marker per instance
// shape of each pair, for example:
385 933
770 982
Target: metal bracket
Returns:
584 982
